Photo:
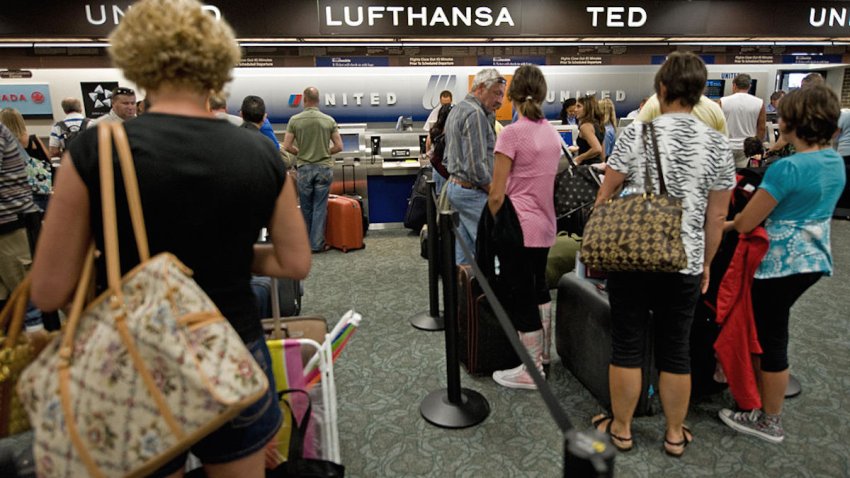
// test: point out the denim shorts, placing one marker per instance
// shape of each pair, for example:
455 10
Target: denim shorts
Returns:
250 431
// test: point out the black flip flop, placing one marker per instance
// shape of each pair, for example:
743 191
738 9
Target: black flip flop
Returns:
600 420
687 438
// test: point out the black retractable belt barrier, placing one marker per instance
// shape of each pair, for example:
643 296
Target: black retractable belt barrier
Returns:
431 320
452 407
586 453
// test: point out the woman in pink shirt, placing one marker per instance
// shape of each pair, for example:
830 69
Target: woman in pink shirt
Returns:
527 154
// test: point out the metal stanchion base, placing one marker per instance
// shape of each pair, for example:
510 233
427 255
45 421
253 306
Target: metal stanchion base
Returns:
794 388
426 321
437 410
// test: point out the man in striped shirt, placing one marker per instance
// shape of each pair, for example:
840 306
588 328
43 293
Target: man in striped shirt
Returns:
15 201
73 123
470 139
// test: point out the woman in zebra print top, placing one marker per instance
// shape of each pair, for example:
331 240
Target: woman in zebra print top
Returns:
698 168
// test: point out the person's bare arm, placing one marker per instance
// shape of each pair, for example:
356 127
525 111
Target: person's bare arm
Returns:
496 195
613 181
63 241
587 132
756 211
288 146
715 216
288 255
761 123
336 143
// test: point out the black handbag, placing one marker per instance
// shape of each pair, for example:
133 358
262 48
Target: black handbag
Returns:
575 193
297 465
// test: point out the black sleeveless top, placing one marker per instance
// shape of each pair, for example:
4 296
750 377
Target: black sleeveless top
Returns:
207 189
584 146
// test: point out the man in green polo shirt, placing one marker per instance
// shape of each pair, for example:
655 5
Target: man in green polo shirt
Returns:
313 132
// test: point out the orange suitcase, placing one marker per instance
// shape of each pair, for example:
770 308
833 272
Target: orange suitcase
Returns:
344 227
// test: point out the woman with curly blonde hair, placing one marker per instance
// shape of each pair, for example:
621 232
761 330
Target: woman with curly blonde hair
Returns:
207 189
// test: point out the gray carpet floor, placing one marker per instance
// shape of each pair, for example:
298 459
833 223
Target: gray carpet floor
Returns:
389 367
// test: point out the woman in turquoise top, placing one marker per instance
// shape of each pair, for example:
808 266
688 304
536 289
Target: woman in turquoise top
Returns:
795 200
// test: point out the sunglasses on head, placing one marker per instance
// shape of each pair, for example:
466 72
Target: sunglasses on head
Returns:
501 80
123 91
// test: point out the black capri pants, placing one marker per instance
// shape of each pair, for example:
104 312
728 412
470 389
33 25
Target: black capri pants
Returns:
522 286
672 298
772 301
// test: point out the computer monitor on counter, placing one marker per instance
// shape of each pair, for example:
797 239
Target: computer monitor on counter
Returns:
350 143
568 132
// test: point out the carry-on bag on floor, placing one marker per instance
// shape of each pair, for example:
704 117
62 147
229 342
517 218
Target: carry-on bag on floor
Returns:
483 346
289 295
344 229
414 216
583 341
348 187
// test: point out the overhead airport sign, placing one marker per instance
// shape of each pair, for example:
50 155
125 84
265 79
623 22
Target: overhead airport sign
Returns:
457 18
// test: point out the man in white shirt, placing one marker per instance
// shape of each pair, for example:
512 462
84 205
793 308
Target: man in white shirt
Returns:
745 117
445 99
634 113
65 130
123 106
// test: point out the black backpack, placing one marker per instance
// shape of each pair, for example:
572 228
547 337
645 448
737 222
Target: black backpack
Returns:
68 133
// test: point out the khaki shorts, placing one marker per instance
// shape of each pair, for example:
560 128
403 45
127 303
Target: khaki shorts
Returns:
15 260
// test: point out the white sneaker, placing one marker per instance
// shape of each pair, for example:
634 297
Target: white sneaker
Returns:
516 377
754 423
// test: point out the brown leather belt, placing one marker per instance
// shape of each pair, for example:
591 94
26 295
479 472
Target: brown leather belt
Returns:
462 183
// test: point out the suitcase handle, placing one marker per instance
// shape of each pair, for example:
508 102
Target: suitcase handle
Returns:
277 333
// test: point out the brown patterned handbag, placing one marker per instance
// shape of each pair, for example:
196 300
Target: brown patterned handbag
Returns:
638 232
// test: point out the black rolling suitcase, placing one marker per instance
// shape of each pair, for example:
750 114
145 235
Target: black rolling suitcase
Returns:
483 346
289 290
583 341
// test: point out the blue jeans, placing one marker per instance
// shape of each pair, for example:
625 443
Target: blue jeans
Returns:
469 203
438 180
314 184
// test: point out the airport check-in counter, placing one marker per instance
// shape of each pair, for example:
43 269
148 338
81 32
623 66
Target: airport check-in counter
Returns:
380 165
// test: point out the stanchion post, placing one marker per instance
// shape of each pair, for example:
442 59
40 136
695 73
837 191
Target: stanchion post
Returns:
447 265
431 319
588 454
452 407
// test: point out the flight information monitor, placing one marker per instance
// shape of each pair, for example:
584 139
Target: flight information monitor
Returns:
714 89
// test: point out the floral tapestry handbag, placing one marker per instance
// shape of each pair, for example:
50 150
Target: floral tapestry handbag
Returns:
638 232
146 370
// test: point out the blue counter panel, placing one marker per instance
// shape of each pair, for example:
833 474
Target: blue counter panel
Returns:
388 197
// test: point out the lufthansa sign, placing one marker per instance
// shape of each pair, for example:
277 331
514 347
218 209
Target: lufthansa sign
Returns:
458 18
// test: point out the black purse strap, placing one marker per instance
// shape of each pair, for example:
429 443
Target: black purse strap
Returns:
647 178
296 440
569 157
